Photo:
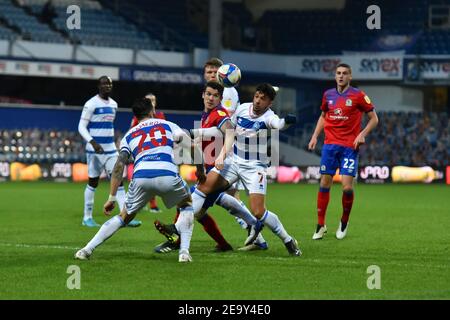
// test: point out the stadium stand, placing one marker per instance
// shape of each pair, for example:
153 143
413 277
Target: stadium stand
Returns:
27 25
403 138
100 26
169 24
43 145
181 25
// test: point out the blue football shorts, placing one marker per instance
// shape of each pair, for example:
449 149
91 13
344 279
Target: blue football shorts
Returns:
335 156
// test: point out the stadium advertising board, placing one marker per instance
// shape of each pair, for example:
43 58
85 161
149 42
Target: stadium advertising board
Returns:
428 69
376 175
365 66
159 75
56 70
77 172
4 171
448 174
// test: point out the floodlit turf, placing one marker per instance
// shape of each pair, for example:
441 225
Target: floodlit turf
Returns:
403 229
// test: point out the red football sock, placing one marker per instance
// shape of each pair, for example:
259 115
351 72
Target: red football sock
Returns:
153 203
210 226
323 198
347 202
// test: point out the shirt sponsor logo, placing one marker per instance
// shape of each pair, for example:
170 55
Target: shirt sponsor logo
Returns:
337 115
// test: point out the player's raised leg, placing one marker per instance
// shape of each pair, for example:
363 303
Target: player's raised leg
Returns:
106 231
205 219
272 221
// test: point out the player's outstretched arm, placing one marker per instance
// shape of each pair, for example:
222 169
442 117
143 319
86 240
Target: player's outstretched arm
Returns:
281 124
212 132
371 124
116 180
228 129
317 131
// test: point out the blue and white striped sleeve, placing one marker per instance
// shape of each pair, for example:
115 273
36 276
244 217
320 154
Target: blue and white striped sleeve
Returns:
124 146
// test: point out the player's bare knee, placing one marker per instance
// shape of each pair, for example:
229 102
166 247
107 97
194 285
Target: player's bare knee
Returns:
258 210
204 188
233 193
326 181
93 182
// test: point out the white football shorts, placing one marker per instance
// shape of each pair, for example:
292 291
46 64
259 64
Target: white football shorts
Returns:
171 190
99 162
253 177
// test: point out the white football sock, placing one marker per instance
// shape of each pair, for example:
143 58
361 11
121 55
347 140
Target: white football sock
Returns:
89 194
241 223
260 239
198 199
120 196
271 220
107 230
236 208
185 226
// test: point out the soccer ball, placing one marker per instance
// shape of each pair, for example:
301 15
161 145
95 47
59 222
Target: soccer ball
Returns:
228 75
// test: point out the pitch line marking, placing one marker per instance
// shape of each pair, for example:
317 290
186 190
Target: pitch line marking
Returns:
284 259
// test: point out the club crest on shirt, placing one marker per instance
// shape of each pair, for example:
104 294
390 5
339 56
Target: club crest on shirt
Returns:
348 103
256 126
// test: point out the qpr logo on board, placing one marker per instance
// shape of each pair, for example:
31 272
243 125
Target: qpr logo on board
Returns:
375 172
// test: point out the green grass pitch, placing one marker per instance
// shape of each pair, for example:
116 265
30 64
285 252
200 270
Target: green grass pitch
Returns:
402 229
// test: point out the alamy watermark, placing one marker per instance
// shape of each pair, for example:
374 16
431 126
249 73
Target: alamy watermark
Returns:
73 21
374 280
74 280
374 20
